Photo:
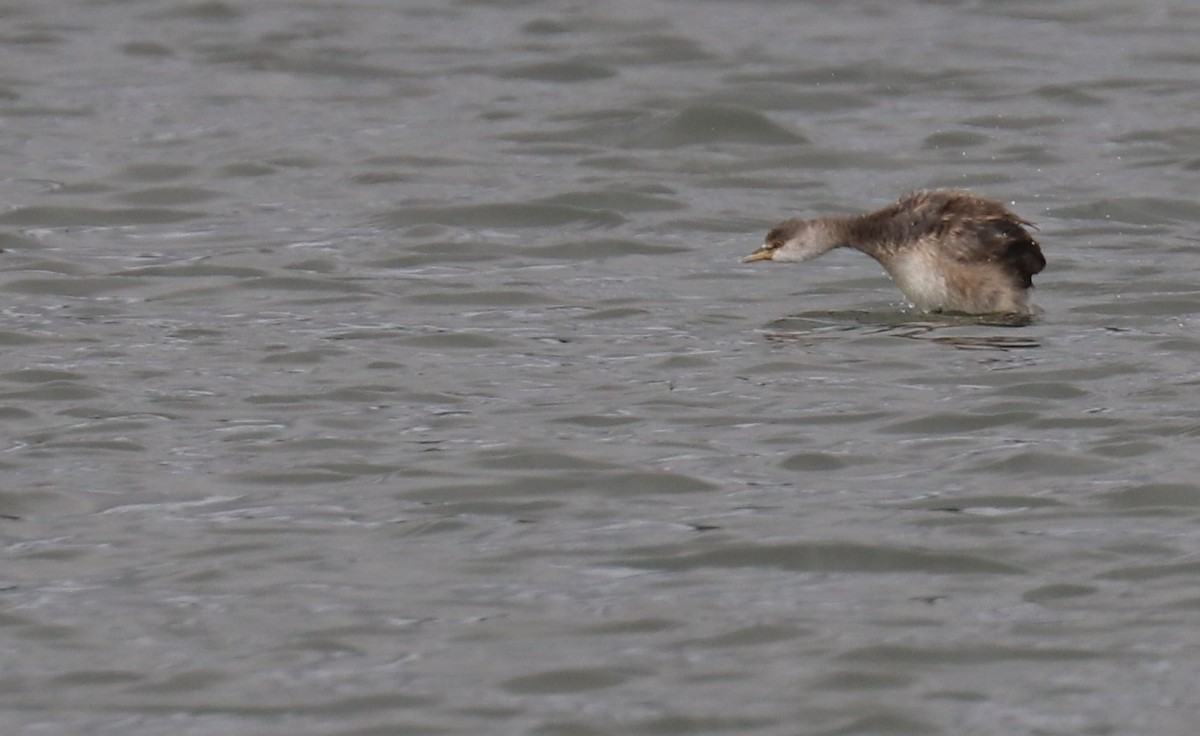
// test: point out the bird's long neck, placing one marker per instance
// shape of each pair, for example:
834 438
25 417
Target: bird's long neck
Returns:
866 233
832 232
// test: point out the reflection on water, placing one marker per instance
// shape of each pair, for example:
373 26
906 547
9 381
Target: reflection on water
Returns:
918 331
975 342
811 326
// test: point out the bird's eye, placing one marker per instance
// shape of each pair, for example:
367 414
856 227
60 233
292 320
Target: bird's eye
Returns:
774 245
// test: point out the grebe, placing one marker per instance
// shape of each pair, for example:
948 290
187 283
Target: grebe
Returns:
948 250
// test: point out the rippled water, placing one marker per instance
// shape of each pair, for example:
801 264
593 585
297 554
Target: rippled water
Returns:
389 368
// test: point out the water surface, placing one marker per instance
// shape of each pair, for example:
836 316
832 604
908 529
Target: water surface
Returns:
389 368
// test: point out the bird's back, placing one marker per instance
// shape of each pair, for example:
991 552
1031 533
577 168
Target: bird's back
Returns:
961 226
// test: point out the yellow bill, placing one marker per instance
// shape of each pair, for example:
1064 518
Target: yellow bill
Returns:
762 254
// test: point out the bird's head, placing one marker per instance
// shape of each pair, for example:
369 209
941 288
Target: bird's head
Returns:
796 240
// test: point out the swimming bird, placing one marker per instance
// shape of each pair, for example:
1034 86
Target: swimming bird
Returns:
948 250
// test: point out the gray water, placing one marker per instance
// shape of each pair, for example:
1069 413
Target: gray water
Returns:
389 368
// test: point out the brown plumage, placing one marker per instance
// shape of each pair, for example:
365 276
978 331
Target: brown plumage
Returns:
947 250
